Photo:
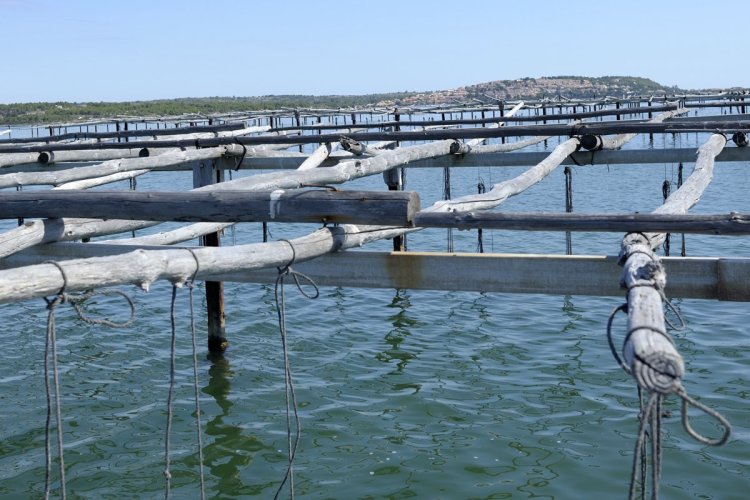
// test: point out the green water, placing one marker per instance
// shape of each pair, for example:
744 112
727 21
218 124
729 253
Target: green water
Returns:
401 393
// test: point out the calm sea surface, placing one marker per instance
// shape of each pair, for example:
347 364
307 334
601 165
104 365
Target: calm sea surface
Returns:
401 393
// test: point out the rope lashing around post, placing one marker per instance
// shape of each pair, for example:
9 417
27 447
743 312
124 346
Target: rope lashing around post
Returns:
649 354
51 345
290 397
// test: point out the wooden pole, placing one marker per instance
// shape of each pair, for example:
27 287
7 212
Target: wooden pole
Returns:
205 173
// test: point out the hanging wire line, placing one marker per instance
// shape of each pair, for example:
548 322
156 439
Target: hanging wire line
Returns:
651 414
51 344
168 432
290 397
50 349
196 391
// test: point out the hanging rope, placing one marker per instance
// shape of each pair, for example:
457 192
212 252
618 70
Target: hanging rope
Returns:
447 196
568 207
50 349
481 189
168 432
196 392
679 185
658 379
290 398
666 188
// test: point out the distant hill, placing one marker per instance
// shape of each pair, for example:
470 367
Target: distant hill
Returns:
525 88
573 87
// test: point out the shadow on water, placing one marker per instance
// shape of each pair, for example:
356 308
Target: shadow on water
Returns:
400 332
228 452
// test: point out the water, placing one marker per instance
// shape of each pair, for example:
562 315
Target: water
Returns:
401 393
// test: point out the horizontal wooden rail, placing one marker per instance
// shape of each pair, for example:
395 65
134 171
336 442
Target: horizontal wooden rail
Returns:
725 224
600 128
314 205
689 277
481 121
121 134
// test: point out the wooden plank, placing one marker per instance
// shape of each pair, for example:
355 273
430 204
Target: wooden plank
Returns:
689 277
601 128
726 224
311 205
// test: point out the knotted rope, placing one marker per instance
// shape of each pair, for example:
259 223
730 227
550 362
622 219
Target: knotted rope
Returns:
290 397
658 373
50 347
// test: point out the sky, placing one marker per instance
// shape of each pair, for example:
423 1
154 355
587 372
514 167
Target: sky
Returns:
124 50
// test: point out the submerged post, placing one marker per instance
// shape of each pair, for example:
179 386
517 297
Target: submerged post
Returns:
205 173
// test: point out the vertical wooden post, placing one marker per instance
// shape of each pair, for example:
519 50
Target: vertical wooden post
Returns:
395 180
204 174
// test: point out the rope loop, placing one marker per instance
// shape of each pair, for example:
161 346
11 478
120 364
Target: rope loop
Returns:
688 401
242 158
77 301
623 308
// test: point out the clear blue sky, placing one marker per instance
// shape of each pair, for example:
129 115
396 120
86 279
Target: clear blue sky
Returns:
101 50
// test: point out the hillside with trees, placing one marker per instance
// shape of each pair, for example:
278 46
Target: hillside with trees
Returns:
574 87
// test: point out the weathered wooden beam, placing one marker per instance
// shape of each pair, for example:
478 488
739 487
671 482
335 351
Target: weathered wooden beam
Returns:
121 134
169 158
724 224
501 191
600 128
311 205
692 189
726 279
480 121
49 230
317 157
205 174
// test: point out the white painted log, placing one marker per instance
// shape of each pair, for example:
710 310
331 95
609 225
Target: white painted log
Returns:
617 141
100 181
11 159
648 351
467 146
503 190
692 189
179 235
317 157
142 267
508 146
46 230
170 158
597 275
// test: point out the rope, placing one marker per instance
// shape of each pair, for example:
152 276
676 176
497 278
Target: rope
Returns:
481 189
168 432
568 207
447 196
76 301
196 390
666 188
242 158
657 375
51 344
290 397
